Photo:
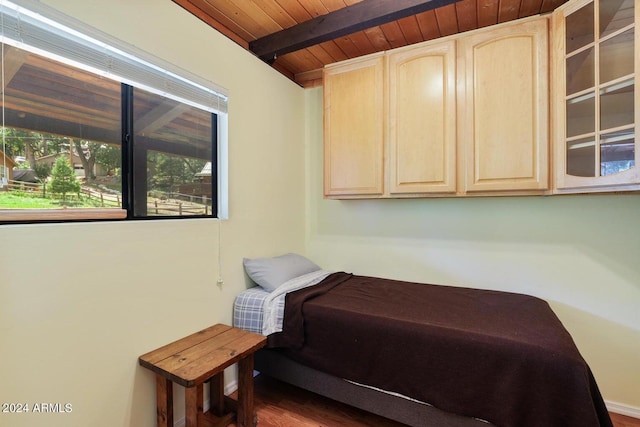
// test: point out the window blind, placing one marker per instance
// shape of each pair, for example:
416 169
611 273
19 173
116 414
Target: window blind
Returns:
37 28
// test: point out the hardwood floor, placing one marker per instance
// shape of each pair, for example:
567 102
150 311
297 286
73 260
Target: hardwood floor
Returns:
281 405
624 421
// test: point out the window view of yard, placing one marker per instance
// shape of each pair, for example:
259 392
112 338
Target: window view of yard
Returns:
47 173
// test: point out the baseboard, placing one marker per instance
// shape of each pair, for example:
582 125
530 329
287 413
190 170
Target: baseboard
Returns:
622 409
228 389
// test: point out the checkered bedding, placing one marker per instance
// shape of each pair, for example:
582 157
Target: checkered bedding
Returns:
248 309
262 312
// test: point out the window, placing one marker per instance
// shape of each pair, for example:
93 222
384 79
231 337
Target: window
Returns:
101 130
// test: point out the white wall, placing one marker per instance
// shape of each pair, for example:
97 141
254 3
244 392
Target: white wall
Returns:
80 302
581 253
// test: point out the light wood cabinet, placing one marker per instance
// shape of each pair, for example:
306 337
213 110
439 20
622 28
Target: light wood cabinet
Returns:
390 128
354 117
504 108
422 124
596 107
467 115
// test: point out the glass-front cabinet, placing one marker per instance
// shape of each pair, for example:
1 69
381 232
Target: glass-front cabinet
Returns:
597 107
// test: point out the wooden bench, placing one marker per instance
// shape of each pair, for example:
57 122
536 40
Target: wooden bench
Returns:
199 358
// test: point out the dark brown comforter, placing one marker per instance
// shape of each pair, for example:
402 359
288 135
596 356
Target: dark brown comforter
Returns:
497 356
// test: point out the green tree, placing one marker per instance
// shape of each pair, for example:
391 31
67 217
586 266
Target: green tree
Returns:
32 145
87 153
63 178
109 156
169 172
13 142
91 153
42 171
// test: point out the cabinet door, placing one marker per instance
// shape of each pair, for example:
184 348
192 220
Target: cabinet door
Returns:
596 60
354 117
422 124
504 108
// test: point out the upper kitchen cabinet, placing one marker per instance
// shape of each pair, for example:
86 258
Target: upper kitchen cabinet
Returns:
462 116
596 106
354 128
503 109
422 120
390 126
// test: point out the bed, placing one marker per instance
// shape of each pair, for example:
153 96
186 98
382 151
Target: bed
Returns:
421 354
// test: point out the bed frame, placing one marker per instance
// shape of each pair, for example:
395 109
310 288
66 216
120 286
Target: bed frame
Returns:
412 413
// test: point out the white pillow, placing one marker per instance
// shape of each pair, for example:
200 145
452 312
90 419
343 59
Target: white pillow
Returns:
270 273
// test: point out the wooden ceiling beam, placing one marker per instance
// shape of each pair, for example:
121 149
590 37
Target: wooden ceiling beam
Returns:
164 113
13 61
55 126
348 20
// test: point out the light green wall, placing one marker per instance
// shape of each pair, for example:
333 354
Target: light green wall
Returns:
581 253
80 302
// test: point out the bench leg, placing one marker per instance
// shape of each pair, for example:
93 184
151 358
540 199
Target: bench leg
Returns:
245 392
193 405
164 401
216 395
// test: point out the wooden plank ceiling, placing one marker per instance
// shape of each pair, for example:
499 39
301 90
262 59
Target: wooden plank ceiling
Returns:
299 37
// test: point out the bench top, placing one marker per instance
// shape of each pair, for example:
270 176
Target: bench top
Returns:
192 360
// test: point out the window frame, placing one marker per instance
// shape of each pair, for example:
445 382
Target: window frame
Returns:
188 89
129 193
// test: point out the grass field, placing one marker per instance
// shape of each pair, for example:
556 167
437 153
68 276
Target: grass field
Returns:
18 200
93 199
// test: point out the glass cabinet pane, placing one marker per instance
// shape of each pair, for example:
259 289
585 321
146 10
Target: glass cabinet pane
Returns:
580 30
614 15
600 101
617 152
616 105
580 71
581 157
616 57
581 115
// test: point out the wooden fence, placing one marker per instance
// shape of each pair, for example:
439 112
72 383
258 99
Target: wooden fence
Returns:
178 204
106 199
166 207
27 187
